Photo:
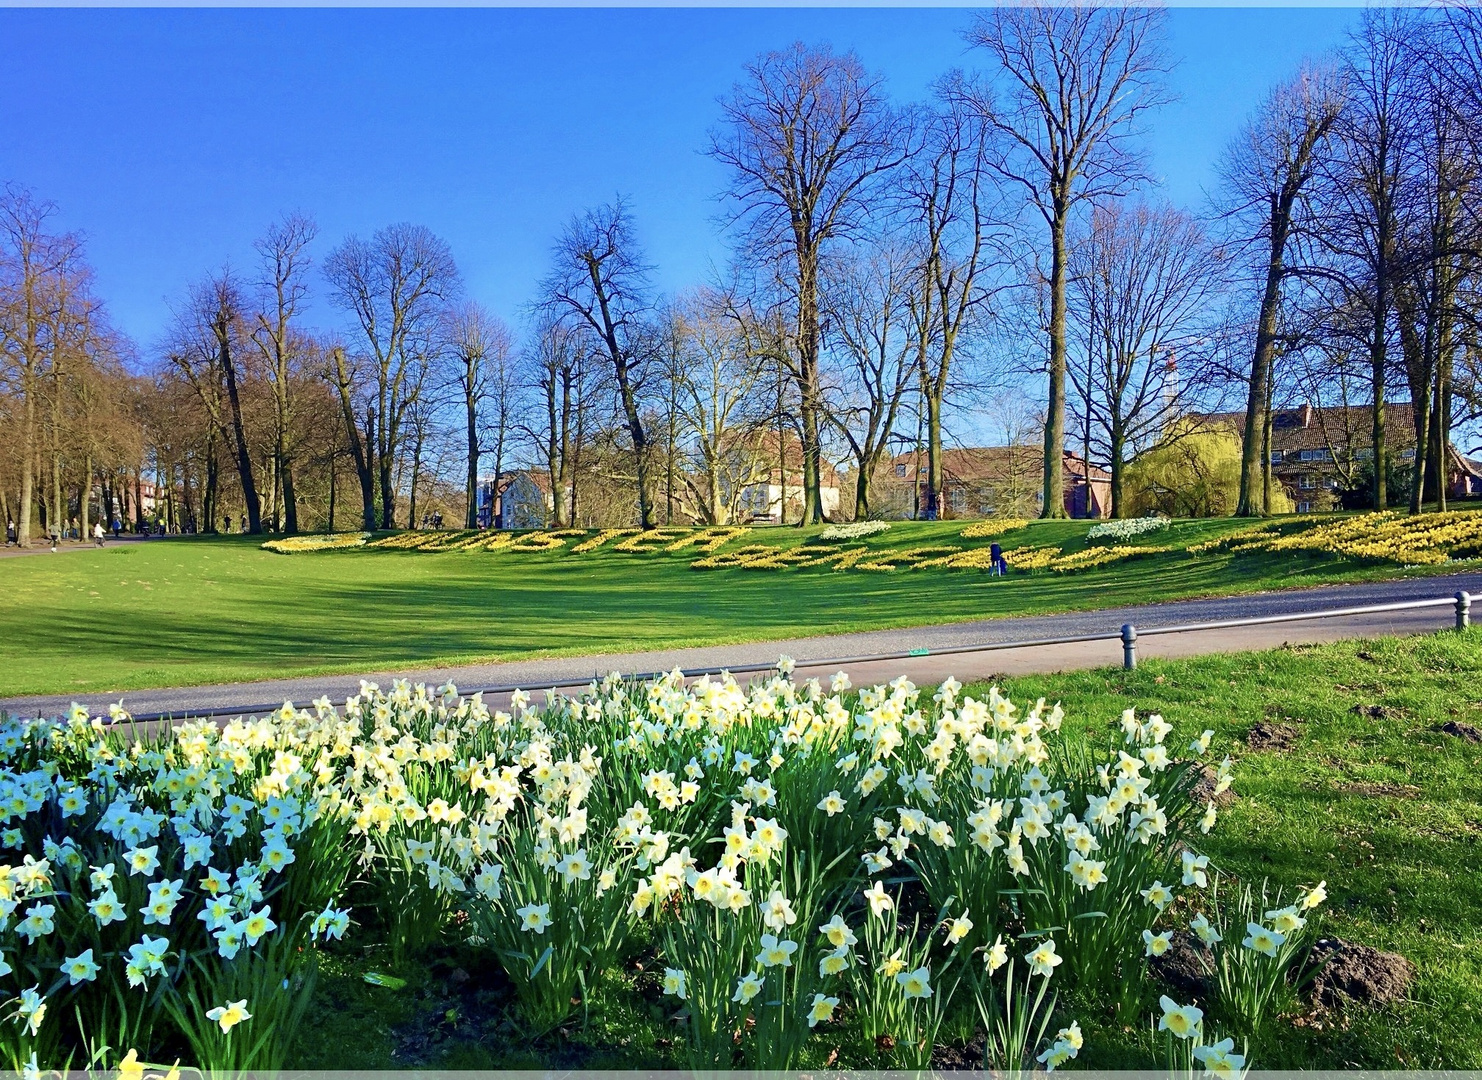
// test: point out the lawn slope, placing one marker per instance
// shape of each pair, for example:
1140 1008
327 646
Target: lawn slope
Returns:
204 610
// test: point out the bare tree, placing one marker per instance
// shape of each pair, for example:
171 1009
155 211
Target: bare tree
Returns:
1074 82
560 374
1360 194
868 305
1142 278
807 136
283 251
951 202
600 283
39 274
482 351
720 411
396 286
1267 171
206 346
358 412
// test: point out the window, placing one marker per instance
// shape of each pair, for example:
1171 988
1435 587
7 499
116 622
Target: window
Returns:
900 470
1306 455
1408 454
1304 508
1364 453
1307 481
957 500
1276 457
1331 483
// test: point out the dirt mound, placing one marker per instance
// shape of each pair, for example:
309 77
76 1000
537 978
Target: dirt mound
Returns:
1373 712
1201 791
1187 966
1461 729
1267 736
1347 971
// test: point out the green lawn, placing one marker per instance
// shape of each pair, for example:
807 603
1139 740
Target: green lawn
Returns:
1383 807
195 611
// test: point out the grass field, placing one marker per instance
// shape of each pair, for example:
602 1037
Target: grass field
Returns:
205 610
1378 803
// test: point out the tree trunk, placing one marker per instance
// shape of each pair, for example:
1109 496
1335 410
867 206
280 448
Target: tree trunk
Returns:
471 481
1118 447
244 456
1378 361
1252 498
28 466
1054 479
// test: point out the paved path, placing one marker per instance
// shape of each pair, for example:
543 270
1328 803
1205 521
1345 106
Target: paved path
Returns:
41 545
817 655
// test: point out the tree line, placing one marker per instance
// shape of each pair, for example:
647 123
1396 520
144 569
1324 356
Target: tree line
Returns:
895 267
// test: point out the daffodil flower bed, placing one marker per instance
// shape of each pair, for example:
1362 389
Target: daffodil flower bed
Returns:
293 545
981 530
1387 536
854 530
790 855
1122 529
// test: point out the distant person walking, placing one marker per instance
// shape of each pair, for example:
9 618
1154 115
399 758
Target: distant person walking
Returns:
98 533
10 534
999 564
117 526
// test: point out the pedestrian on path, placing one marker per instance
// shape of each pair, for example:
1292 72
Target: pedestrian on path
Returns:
10 534
98 533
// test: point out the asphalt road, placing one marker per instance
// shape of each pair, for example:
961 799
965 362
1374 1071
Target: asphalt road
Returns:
820 655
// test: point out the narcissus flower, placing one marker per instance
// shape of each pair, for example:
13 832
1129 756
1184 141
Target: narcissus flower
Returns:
1220 1060
879 901
822 1009
748 987
1204 931
914 984
996 955
1182 1021
674 983
838 933
230 1015
534 917
80 968
960 928
1158 895
1156 944
1262 939
1043 960
776 952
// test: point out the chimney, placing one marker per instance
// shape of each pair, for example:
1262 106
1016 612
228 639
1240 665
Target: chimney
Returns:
1306 415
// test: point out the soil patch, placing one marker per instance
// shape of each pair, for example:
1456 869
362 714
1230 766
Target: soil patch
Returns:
1268 736
1187 966
1461 730
1348 971
1201 791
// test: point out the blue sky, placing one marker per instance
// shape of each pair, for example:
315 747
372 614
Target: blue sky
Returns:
171 137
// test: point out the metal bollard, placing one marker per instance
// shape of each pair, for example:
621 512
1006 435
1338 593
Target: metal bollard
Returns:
1129 646
1463 610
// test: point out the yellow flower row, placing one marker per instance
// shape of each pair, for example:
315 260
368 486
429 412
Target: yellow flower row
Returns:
633 541
293 545
980 530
